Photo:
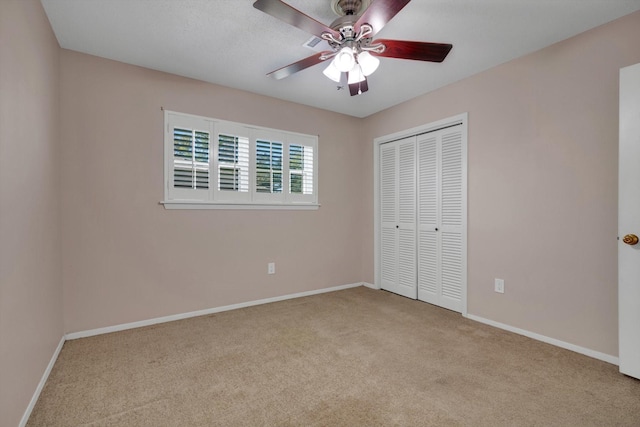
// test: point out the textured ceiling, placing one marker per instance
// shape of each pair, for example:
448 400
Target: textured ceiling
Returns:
230 43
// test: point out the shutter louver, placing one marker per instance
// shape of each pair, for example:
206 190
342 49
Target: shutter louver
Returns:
388 185
451 268
452 180
407 181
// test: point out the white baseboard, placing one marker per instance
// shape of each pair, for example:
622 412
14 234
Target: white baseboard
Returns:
43 380
164 319
370 285
568 346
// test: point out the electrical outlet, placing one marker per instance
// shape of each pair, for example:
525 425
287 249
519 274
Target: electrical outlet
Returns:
499 286
271 268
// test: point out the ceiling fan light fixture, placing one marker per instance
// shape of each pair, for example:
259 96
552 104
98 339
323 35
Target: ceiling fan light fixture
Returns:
368 63
344 60
332 72
355 75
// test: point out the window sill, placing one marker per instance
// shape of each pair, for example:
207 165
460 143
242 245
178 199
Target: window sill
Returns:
172 204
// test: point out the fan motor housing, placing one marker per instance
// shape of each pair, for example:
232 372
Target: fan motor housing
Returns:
349 7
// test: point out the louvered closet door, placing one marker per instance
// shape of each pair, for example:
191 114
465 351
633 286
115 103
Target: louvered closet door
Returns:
428 219
441 269
398 217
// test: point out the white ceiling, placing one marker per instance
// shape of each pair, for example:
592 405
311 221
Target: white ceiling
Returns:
230 43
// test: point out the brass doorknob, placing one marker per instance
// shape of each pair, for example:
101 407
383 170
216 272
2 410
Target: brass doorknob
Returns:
630 239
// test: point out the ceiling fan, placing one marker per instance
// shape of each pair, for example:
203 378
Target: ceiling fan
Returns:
350 38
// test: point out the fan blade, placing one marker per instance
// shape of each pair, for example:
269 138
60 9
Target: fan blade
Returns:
418 51
292 16
379 13
307 62
358 88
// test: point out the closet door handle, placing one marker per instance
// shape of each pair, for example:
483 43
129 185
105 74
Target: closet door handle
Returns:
436 228
397 226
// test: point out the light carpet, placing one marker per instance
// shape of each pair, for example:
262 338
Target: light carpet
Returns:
357 357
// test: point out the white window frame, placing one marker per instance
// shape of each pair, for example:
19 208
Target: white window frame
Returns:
214 197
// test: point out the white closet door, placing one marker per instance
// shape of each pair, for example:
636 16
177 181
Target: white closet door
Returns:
452 218
428 242
407 218
441 245
388 220
398 214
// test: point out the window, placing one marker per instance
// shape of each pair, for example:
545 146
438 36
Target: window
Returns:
190 158
300 169
212 163
233 163
268 166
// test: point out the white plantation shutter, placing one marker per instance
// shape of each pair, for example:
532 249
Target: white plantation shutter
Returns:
212 162
189 160
269 166
302 169
232 163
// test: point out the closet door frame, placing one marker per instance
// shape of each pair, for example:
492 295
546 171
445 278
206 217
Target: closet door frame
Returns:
458 120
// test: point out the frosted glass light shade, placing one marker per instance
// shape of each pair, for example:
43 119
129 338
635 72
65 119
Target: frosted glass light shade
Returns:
355 75
344 60
332 72
368 63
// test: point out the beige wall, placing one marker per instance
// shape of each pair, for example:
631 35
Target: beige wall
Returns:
128 259
30 263
542 195
543 145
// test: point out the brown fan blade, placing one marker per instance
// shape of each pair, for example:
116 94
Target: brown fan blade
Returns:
419 51
307 62
292 16
358 88
379 13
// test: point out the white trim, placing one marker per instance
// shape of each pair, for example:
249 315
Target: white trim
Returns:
460 119
562 344
164 319
172 204
430 127
43 380
370 285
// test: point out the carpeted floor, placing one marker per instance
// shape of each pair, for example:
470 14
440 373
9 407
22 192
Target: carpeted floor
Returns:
358 357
